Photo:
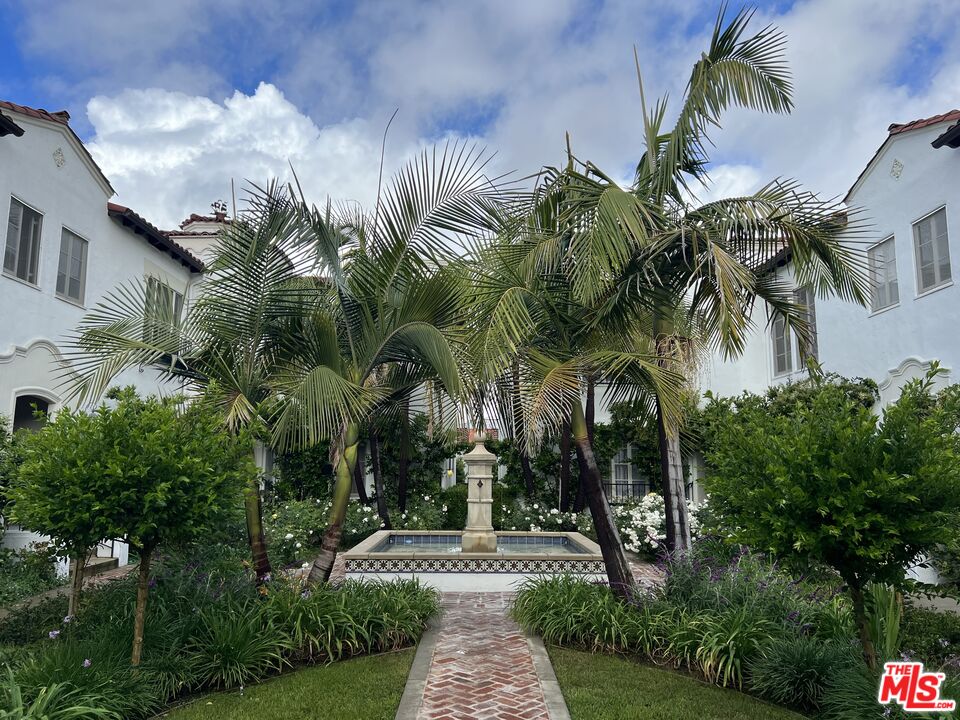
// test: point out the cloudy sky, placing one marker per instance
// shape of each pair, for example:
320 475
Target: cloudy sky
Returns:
175 98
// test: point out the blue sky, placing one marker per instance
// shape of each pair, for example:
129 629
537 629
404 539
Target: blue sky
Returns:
176 98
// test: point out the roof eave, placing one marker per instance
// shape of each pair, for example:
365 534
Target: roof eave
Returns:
951 138
9 127
139 226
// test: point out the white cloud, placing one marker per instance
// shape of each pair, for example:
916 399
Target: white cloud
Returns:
532 71
170 154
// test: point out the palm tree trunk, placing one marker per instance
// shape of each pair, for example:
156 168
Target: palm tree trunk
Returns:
140 613
360 476
590 409
378 480
253 509
565 466
403 461
518 431
323 564
671 473
618 571
76 585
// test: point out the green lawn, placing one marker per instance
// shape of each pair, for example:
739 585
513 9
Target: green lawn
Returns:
604 687
366 688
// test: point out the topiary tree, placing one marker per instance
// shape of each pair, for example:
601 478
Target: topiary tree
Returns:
830 483
147 471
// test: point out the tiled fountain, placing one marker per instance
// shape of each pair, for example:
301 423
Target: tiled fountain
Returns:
477 558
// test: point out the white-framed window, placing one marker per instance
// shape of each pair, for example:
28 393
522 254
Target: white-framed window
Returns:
882 264
782 347
626 482
21 254
932 251
164 308
808 347
72 269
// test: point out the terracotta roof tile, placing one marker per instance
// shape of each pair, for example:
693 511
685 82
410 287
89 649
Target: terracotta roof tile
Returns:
154 236
204 218
897 128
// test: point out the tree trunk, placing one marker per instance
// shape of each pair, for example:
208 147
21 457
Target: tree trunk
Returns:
378 481
360 476
860 615
403 462
565 466
618 571
140 614
253 508
590 410
671 474
76 584
518 432
323 564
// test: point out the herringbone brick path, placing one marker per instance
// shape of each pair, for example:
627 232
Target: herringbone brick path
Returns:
482 668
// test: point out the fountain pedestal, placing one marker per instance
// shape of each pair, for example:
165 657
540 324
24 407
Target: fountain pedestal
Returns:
478 535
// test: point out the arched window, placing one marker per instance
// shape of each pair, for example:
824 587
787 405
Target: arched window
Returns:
24 413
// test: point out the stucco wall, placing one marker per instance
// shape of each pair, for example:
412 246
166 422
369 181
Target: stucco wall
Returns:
35 320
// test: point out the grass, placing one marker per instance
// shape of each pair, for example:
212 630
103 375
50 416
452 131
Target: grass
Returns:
365 688
607 687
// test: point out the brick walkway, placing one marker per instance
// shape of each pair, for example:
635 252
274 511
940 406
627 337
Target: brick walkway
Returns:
482 667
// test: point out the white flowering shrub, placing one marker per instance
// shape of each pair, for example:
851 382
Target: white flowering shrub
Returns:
643 524
294 529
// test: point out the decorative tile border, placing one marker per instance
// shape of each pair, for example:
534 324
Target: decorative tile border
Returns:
475 565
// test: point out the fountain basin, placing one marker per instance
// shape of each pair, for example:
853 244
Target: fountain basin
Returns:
436 558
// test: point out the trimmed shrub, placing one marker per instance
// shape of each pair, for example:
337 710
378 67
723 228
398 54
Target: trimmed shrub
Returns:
454 499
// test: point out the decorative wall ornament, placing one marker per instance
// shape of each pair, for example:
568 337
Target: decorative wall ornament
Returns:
58 157
896 169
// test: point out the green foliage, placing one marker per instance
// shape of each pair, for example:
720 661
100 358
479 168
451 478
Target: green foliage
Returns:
294 530
209 627
146 471
57 701
930 636
829 483
852 695
235 644
796 671
454 498
426 457
26 572
945 557
11 455
304 474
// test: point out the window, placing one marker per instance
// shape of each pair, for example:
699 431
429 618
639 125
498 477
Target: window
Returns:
626 481
72 270
808 347
882 264
164 308
932 251
782 352
22 252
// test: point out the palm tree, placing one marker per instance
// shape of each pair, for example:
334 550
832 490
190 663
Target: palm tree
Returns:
528 320
225 348
392 310
657 252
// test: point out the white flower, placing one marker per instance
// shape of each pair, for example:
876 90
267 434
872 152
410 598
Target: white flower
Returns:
305 565
444 508
288 536
536 507
299 545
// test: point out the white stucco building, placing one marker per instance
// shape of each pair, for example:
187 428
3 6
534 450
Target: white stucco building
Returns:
65 247
909 191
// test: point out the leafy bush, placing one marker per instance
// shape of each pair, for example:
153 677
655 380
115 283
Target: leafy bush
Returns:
423 513
930 636
454 499
852 695
26 572
946 559
25 625
796 671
